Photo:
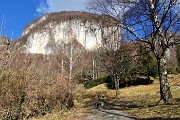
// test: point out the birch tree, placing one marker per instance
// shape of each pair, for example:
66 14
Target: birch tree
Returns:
70 58
154 22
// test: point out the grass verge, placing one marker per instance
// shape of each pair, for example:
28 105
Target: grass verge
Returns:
140 101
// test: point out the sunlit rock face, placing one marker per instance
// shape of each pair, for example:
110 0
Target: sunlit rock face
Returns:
44 35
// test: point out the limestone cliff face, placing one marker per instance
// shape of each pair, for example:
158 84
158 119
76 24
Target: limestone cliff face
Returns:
45 34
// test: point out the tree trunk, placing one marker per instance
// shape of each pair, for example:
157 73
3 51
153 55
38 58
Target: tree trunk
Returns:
165 93
117 86
93 68
70 69
62 63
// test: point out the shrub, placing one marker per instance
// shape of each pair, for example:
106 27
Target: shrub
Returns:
132 82
12 94
96 82
178 69
28 89
170 70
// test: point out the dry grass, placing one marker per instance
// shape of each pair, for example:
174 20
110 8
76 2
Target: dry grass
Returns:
139 101
74 114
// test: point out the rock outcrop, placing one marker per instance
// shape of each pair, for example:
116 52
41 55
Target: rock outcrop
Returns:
44 35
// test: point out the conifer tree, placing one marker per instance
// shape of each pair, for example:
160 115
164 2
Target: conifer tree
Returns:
147 65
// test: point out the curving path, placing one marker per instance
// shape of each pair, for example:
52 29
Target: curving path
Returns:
102 114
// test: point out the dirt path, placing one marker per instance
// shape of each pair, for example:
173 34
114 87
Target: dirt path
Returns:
103 114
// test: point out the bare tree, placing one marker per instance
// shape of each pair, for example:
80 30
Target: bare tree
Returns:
9 86
116 58
70 58
154 22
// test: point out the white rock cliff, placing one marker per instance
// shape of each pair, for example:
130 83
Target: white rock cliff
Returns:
44 39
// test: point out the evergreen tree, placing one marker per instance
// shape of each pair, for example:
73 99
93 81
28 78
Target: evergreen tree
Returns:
147 65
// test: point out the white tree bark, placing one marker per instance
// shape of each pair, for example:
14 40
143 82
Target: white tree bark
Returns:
165 92
62 62
70 67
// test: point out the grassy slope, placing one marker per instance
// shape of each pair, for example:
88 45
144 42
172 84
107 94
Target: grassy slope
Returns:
138 101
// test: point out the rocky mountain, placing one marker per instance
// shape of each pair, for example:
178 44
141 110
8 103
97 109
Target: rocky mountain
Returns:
45 34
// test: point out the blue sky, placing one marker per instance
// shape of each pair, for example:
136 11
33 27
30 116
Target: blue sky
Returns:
19 13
